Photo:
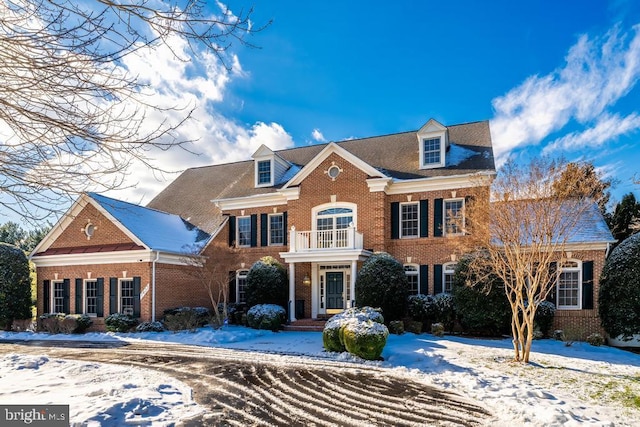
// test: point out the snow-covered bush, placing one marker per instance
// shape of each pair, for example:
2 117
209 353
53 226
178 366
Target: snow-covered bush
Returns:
445 310
619 298
396 327
422 309
595 339
55 323
15 286
198 315
365 339
267 283
543 319
266 316
382 282
332 335
413 326
437 329
118 322
150 327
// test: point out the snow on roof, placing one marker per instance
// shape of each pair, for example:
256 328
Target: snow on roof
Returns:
160 231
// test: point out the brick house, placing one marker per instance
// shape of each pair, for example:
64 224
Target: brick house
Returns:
320 209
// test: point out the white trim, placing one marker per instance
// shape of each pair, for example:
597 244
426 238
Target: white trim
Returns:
561 270
415 272
238 275
258 200
340 255
400 235
284 229
324 206
257 162
237 236
117 257
432 130
379 184
120 280
84 297
446 271
454 182
331 148
444 216
52 295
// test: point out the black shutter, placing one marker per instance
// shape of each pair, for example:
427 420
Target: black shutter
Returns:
232 287
424 218
423 286
587 285
100 297
254 230
437 217
136 297
553 278
284 225
79 296
232 230
395 220
66 292
113 295
46 289
437 279
264 230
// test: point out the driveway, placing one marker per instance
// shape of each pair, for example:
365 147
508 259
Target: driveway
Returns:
249 388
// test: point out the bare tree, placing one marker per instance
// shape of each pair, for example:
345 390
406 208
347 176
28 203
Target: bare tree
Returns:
72 115
518 235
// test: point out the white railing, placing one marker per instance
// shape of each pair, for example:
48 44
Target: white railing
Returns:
320 240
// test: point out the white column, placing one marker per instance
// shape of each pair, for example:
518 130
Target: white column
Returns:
292 292
292 239
352 284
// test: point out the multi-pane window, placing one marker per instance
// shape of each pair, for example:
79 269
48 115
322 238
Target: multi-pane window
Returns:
126 296
241 283
91 297
431 151
264 172
454 216
448 271
276 229
58 297
413 278
409 219
244 231
569 285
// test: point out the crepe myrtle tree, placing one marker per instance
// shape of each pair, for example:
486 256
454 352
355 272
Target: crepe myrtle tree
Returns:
73 115
520 235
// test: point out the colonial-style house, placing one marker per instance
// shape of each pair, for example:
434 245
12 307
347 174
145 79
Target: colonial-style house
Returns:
320 209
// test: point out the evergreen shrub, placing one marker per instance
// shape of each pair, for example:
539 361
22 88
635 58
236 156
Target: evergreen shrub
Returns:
382 283
267 283
15 286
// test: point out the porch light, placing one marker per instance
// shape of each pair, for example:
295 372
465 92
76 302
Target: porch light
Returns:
306 281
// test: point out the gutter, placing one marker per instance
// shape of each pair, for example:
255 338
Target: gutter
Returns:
153 287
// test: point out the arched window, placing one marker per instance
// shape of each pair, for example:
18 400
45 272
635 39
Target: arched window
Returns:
448 270
331 223
241 283
413 278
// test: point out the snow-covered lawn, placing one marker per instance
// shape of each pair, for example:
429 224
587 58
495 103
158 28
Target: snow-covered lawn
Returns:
575 385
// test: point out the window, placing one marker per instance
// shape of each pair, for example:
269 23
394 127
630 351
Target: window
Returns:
264 172
244 231
332 227
569 281
126 296
409 219
57 302
276 229
413 278
241 283
454 216
431 151
447 277
91 297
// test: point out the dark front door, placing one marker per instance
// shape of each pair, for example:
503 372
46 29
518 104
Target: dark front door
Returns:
335 290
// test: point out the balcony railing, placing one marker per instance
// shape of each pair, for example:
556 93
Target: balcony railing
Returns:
325 240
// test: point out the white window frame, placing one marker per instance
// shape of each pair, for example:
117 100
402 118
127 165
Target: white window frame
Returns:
424 151
269 235
53 296
257 172
410 236
238 219
445 223
241 274
85 304
413 270
120 305
448 270
569 269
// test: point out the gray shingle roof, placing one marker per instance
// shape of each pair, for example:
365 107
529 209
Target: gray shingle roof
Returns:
396 155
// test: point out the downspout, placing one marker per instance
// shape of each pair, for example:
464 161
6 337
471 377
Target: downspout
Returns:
606 254
153 287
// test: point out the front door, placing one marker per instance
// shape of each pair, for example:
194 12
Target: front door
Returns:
335 290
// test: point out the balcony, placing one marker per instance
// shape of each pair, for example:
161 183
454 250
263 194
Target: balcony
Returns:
343 244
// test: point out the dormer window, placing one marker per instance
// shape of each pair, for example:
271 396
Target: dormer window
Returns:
431 151
264 172
432 141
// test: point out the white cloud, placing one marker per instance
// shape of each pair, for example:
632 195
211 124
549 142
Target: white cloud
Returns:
598 72
317 135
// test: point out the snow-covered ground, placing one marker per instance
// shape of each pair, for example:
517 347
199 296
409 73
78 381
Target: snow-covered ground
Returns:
564 385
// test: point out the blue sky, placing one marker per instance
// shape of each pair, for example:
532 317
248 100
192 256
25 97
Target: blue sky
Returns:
553 77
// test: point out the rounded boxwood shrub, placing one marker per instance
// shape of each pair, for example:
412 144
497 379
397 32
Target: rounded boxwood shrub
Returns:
619 297
266 316
445 310
332 335
150 327
15 286
267 283
382 282
365 339
422 309
119 322
481 306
